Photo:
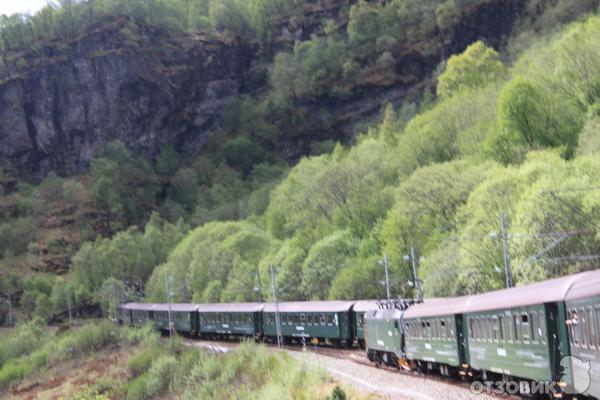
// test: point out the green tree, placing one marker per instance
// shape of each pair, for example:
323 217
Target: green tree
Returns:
325 258
167 161
477 66
242 153
528 120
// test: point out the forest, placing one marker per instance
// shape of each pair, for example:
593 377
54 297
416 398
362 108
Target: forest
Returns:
512 130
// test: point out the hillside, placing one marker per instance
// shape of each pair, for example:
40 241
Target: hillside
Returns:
211 140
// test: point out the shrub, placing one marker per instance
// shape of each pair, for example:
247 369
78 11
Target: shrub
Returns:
160 375
24 340
338 394
17 369
141 362
136 389
87 339
146 335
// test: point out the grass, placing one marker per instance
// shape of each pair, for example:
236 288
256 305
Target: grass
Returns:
31 348
101 360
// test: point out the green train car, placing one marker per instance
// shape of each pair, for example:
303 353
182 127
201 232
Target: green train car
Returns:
137 314
383 336
359 310
316 321
230 320
520 332
434 338
184 317
582 304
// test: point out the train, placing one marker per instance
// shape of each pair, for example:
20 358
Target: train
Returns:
545 333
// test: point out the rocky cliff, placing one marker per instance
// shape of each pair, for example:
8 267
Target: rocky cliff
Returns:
158 87
145 92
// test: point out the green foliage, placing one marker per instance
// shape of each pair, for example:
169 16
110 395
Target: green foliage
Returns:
167 161
123 185
241 153
136 388
589 139
477 66
130 256
338 394
160 375
325 258
226 252
16 235
240 374
528 120
24 340
88 394
88 339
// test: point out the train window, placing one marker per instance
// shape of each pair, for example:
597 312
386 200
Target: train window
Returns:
329 319
303 318
573 339
542 328
584 330
483 328
525 328
428 330
508 328
500 328
591 328
322 319
597 309
471 334
309 319
443 332
516 326
534 327
435 328
451 326
490 328
495 329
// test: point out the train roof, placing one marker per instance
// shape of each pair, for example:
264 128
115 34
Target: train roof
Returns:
310 306
138 306
230 307
587 286
552 290
384 313
177 307
570 287
437 307
366 305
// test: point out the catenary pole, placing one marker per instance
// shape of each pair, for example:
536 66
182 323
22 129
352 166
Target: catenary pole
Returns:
277 322
387 277
506 251
413 257
168 303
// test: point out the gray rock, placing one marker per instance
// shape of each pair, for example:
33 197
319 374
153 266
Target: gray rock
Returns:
55 117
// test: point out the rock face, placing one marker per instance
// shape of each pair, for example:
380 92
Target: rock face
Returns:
158 88
103 87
